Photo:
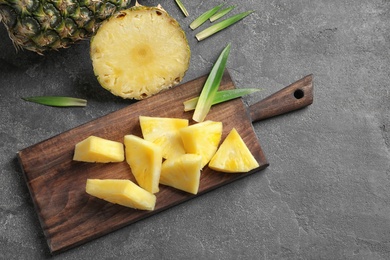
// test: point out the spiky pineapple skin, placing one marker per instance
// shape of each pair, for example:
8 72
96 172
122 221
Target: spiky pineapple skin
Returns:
42 25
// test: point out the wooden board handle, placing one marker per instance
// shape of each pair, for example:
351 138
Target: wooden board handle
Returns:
295 96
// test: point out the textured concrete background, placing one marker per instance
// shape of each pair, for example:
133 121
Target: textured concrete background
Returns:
326 194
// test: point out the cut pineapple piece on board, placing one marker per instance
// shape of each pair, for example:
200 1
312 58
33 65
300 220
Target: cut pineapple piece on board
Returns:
233 155
122 192
97 149
140 51
202 139
165 133
182 173
144 159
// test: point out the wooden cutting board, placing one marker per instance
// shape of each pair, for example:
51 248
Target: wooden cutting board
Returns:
70 217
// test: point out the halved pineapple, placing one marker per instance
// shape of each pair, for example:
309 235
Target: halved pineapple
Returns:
165 133
40 26
140 51
233 155
122 192
97 149
144 159
182 173
202 139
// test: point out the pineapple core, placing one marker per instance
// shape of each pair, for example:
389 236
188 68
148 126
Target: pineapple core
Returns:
122 192
139 51
202 139
233 155
144 159
96 149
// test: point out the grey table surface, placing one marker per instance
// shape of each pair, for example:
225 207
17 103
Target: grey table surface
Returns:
326 193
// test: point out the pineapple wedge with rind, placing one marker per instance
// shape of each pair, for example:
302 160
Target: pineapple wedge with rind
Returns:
122 192
97 149
144 159
139 52
165 133
202 138
233 155
182 173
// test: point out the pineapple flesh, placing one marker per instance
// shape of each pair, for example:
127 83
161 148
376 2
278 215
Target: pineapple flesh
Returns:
39 25
182 173
165 133
122 192
144 159
202 139
97 149
139 52
233 155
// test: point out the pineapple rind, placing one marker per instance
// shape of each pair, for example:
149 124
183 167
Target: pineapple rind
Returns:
41 26
139 52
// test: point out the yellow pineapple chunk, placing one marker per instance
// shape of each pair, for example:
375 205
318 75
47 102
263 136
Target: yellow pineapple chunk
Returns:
144 159
122 192
202 139
165 133
97 149
182 173
233 155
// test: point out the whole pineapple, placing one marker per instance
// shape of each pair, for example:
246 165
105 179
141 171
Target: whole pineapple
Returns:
41 25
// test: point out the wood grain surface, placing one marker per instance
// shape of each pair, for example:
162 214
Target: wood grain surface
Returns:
69 216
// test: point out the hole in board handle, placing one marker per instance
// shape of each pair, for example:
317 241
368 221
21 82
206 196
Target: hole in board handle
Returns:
298 94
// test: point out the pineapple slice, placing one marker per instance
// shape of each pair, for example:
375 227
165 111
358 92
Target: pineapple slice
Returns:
144 159
97 149
233 155
182 173
202 139
140 51
122 192
165 133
